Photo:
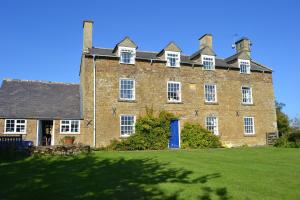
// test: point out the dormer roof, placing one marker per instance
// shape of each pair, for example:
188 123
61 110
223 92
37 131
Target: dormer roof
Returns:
204 51
126 42
171 46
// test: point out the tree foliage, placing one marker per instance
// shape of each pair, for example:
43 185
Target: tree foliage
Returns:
283 123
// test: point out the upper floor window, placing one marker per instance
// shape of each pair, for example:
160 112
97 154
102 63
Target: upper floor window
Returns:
15 126
249 125
208 62
210 93
173 59
244 66
174 91
127 55
127 89
247 95
127 125
70 126
212 125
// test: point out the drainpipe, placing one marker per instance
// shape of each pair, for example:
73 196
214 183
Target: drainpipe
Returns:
94 85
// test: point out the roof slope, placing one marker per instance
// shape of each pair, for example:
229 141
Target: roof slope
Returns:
39 100
222 63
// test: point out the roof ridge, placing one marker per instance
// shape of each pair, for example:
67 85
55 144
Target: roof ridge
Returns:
38 81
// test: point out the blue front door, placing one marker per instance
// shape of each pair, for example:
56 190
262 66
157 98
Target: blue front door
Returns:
174 136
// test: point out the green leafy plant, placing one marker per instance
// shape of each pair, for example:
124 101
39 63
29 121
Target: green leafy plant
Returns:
289 140
194 136
151 132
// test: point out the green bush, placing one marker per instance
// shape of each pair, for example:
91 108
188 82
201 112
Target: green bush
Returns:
194 136
151 133
289 140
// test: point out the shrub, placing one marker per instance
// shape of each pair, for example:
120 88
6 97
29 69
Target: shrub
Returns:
151 132
289 140
194 136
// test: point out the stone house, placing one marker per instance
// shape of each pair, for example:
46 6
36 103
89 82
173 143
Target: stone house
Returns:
232 97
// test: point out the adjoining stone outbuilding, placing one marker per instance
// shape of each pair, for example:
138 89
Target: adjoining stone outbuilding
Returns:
232 97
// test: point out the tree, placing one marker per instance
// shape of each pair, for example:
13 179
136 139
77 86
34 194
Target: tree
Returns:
283 124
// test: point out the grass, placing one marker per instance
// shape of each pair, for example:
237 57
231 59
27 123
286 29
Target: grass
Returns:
246 173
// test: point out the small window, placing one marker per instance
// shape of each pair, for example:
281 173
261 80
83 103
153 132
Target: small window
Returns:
70 126
249 126
173 59
244 66
15 126
127 89
212 125
127 55
174 91
210 93
208 62
127 125
247 95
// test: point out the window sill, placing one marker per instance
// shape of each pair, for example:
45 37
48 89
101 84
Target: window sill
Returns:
245 73
127 100
174 102
248 104
126 63
208 69
13 133
69 133
173 66
249 135
211 103
124 136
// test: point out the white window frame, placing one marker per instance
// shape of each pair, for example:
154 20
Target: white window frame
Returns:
127 49
251 95
15 127
215 126
177 61
133 89
248 67
133 129
69 132
216 96
253 126
174 82
213 61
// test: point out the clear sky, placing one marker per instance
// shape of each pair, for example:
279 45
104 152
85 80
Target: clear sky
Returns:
42 40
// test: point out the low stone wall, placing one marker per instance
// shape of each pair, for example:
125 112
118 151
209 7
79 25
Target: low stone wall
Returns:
61 150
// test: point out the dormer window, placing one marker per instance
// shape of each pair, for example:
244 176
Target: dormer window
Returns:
244 66
127 55
173 59
208 62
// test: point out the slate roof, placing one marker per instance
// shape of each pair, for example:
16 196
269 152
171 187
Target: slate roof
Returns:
39 100
185 59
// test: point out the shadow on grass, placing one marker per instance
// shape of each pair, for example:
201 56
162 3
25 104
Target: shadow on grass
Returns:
90 177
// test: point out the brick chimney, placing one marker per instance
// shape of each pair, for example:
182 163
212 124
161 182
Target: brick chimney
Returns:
87 35
206 41
243 45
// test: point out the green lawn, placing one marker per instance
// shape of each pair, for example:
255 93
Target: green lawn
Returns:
246 173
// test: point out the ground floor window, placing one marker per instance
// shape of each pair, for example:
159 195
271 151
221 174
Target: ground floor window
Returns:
127 125
70 126
15 126
212 125
249 125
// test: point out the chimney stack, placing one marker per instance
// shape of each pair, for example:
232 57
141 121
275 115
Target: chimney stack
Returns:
243 45
206 41
87 35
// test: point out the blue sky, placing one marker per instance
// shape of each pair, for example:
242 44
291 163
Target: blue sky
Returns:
42 40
